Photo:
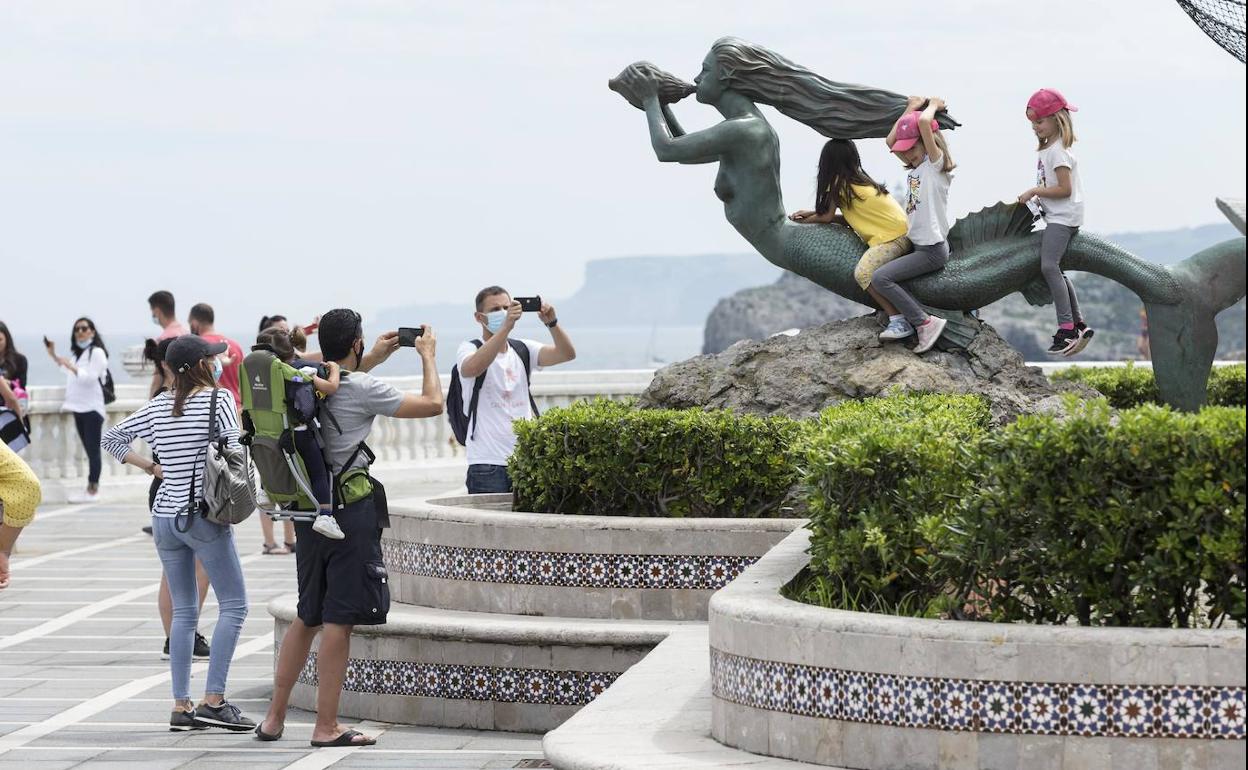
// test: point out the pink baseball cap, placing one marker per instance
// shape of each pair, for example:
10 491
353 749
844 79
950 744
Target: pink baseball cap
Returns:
1047 101
908 131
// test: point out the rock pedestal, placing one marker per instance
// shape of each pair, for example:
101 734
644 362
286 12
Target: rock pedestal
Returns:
800 375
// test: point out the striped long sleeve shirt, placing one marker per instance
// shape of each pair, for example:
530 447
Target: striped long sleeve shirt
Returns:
181 442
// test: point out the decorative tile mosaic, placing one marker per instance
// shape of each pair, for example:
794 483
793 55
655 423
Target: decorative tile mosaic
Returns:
1035 708
569 570
486 683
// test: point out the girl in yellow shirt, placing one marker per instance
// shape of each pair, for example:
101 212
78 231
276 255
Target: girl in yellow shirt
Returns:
864 206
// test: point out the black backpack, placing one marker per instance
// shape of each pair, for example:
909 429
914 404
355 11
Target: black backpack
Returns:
455 395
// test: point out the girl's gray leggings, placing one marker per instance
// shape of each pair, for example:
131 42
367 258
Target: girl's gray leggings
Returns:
1053 243
923 260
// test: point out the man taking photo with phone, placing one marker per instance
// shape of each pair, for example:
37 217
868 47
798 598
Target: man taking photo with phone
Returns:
504 365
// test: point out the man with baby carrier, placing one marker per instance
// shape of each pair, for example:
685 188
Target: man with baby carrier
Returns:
342 582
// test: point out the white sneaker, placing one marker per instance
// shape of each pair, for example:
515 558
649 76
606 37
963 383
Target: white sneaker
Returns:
263 502
328 526
82 497
897 330
929 333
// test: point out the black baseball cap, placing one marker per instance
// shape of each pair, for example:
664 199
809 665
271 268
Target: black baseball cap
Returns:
189 349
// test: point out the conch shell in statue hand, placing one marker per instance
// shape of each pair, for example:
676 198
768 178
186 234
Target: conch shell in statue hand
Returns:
629 84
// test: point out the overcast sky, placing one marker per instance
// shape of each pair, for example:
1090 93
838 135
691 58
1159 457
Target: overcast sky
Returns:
296 155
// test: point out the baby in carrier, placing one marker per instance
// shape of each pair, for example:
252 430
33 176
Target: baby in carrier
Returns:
317 380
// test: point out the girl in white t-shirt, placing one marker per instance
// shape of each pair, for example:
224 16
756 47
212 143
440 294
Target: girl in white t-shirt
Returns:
916 140
1058 197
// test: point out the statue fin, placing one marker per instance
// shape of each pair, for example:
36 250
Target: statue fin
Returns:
1002 220
1233 208
1037 292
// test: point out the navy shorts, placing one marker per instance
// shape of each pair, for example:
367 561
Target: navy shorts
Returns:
343 581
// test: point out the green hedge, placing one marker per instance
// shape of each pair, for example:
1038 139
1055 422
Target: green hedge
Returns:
1127 519
608 458
883 475
1129 386
1132 518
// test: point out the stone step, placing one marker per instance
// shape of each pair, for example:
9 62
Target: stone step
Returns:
657 716
449 668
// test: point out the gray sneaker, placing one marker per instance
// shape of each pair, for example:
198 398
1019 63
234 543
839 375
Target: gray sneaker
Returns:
181 721
226 716
929 332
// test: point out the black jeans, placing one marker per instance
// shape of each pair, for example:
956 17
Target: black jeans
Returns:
90 425
488 478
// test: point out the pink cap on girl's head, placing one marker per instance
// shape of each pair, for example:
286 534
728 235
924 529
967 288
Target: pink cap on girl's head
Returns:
1047 101
908 131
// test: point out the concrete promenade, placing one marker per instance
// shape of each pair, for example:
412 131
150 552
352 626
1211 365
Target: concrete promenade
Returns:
82 683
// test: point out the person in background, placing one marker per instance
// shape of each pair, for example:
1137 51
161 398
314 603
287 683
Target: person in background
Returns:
341 582
505 394
177 424
155 352
84 396
13 367
202 320
20 495
164 315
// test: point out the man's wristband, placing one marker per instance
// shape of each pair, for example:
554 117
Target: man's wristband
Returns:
552 324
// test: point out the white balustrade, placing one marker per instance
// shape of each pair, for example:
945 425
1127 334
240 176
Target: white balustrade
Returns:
55 453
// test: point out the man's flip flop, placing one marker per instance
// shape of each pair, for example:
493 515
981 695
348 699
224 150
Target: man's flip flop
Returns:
346 739
261 735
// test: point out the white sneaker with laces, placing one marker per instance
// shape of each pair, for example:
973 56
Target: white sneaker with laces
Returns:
929 333
897 330
328 526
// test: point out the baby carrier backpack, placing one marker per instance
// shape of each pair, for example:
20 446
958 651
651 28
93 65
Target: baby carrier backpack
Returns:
277 398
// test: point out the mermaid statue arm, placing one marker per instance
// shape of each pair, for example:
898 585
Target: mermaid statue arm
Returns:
699 147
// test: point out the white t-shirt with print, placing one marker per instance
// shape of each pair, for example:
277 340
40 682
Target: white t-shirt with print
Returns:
927 196
504 399
1059 211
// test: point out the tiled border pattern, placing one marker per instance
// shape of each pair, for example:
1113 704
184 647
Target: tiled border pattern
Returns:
484 683
1031 708
568 570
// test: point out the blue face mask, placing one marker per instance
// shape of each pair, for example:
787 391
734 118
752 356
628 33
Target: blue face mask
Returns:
155 320
84 343
217 369
494 321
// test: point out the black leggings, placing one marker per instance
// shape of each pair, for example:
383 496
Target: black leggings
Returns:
90 425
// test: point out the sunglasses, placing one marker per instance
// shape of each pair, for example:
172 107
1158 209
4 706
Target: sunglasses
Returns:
82 328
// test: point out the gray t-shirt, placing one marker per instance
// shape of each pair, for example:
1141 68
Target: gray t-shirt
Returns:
359 399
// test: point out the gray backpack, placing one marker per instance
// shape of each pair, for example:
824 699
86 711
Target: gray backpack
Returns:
229 495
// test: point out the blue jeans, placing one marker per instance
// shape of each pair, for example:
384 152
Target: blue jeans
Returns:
488 478
213 545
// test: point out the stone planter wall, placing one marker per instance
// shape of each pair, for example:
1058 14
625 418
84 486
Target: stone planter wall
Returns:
514 621
873 691
473 553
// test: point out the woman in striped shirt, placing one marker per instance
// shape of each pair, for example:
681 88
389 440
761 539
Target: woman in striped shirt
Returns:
176 426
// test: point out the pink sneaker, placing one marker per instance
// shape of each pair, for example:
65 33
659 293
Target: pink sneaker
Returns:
929 332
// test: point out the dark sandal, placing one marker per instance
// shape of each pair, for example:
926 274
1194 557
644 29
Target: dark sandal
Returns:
346 739
290 547
273 549
261 735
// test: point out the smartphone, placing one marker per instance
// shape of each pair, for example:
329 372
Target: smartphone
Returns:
47 343
530 304
408 335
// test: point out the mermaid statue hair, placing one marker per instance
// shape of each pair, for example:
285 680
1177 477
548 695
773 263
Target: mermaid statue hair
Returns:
836 110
